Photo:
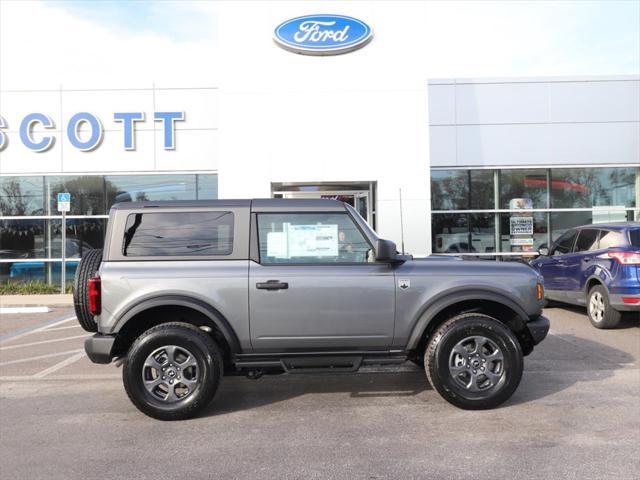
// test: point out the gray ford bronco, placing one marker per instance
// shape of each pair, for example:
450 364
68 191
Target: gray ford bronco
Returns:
187 292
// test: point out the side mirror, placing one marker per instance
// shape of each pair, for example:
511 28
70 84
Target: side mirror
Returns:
385 251
543 251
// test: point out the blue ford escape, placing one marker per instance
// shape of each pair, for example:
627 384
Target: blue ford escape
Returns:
597 266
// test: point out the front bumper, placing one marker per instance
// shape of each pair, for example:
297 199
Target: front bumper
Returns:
538 329
99 348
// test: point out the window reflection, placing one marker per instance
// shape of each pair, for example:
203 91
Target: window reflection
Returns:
21 196
589 187
523 183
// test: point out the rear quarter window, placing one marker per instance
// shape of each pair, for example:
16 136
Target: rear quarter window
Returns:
612 239
178 234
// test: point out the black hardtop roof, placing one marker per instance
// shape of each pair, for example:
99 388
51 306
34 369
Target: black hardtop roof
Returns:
259 204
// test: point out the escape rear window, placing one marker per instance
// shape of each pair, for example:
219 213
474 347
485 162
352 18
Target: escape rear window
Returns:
178 234
634 236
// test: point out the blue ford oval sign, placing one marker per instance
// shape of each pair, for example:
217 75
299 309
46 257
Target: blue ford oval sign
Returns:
322 34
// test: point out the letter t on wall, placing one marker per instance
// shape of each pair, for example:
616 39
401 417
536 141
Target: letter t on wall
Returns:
128 120
169 120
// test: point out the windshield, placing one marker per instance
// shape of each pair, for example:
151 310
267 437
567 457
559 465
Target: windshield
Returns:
362 223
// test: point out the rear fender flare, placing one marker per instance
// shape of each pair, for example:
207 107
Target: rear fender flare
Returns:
184 301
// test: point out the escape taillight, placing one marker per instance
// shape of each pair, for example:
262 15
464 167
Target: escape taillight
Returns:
95 294
625 258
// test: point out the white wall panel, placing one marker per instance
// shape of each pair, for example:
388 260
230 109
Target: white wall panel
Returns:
199 104
503 144
501 103
442 146
442 104
195 150
595 101
110 156
584 143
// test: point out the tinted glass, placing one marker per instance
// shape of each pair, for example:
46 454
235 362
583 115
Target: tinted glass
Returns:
23 239
610 239
634 237
310 238
587 240
461 189
590 187
521 242
82 234
87 193
523 183
21 196
564 243
450 233
138 188
178 234
449 190
482 228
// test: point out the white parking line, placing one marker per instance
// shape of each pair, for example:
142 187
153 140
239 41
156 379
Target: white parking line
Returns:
8 310
42 342
60 365
61 328
39 329
40 357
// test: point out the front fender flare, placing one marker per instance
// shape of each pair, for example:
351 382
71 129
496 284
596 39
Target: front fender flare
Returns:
446 299
183 301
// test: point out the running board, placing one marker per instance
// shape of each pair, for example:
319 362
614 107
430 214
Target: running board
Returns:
318 362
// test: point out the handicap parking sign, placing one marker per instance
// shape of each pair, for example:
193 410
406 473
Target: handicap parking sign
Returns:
64 202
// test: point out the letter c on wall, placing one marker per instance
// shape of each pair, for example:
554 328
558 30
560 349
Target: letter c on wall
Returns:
96 131
26 132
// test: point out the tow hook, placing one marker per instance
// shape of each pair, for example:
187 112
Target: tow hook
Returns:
254 374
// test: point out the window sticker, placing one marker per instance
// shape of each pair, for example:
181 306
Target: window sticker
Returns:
277 244
313 240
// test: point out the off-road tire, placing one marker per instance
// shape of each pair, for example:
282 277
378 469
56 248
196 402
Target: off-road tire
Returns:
89 265
210 370
438 356
610 317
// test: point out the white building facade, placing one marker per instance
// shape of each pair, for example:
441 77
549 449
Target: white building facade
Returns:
454 159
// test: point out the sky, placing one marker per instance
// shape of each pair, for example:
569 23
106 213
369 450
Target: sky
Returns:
97 44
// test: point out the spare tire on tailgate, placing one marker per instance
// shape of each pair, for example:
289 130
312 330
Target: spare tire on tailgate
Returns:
89 265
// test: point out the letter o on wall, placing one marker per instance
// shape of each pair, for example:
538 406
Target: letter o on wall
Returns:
96 131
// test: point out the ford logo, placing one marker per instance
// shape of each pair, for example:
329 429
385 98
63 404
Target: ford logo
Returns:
322 34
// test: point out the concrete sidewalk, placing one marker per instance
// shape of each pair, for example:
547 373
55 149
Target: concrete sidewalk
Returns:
58 300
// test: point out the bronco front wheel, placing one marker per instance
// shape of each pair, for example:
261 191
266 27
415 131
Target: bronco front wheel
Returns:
474 361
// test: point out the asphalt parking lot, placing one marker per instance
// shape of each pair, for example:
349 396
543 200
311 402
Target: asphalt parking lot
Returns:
576 415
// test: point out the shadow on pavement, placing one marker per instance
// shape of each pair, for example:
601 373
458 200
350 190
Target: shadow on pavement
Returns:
629 319
558 363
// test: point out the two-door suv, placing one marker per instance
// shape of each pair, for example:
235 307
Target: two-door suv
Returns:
186 292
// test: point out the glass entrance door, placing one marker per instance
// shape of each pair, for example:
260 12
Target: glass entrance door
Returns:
361 200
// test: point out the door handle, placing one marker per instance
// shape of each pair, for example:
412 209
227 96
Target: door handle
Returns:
586 260
272 285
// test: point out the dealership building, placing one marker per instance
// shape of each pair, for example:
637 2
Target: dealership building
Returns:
492 168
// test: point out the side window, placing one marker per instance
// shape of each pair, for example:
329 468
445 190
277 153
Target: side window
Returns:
609 239
587 240
310 238
178 234
565 243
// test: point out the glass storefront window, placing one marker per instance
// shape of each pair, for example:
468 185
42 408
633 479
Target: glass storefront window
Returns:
21 196
87 193
461 189
22 239
207 187
523 183
449 190
81 235
523 242
591 187
138 188
482 227
450 233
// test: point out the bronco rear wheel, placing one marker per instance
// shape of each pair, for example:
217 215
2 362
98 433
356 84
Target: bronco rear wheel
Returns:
474 361
89 265
172 371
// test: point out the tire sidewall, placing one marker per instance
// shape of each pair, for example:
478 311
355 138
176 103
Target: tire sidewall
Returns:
506 342
209 372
